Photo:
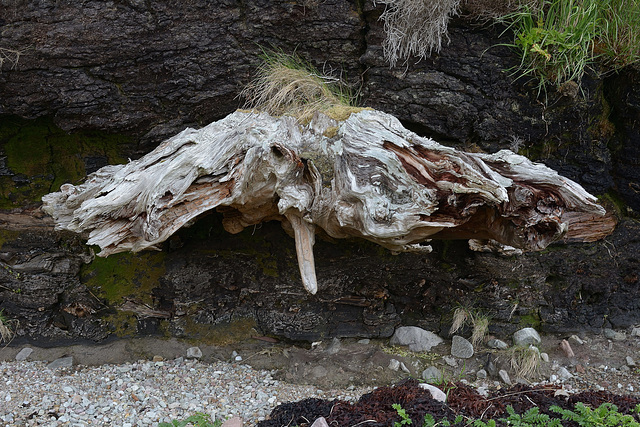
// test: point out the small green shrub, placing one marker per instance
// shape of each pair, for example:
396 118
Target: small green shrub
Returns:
559 40
531 418
197 420
404 418
606 415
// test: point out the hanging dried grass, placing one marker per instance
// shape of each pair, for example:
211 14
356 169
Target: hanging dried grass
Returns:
415 27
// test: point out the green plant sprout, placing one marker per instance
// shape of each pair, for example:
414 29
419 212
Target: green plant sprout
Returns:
404 418
198 420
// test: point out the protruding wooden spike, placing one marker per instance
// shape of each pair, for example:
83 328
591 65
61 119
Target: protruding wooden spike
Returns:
304 234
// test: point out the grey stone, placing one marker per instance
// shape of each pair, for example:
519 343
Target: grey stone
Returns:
194 353
577 339
416 338
563 373
63 362
526 337
450 360
233 422
504 376
394 364
544 357
432 375
491 368
630 361
614 335
364 341
498 344
24 354
635 332
460 347
335 346
481 374
404 368
436 393
320 422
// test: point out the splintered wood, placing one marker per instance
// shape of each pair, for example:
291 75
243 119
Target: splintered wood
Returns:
371 179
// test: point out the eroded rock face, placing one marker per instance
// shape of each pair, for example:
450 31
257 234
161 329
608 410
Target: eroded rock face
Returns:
151 69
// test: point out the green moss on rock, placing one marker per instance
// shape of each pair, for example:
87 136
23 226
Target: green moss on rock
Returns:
42 157
124 275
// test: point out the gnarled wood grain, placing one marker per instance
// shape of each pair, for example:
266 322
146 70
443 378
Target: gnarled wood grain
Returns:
365 177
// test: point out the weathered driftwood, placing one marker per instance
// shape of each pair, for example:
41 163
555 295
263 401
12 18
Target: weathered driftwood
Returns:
366 177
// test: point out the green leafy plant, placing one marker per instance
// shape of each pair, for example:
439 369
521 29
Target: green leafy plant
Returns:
198 420
604 415
559 40
404 418
287 85
531 418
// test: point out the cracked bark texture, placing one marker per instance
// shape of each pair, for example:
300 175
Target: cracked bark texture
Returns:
150 69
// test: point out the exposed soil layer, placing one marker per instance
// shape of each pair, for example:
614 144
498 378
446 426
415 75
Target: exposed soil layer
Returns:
375 409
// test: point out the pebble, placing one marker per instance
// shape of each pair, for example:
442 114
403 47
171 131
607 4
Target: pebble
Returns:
24 354
394 364
563 373
432 374
504 376
481 374
614 335
461 347
630 361
145 393
416 338
436 393
497 344
526 336
194 353
63 362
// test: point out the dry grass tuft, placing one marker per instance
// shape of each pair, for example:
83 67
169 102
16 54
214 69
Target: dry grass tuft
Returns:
6 332
415 27
479 323
460 318
525 361
287 85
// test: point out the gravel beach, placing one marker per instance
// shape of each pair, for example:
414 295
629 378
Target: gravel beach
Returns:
143 393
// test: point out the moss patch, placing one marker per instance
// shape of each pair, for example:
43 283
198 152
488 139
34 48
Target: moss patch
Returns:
42 157
124 275
221 334
123 323
7 236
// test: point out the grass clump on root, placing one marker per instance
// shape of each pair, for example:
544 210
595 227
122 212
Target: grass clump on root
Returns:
288 85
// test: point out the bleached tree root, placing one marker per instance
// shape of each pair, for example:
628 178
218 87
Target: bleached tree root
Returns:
365 177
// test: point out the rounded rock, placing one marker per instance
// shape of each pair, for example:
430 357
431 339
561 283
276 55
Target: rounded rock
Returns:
461 347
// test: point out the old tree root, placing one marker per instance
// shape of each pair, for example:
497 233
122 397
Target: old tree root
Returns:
366 176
